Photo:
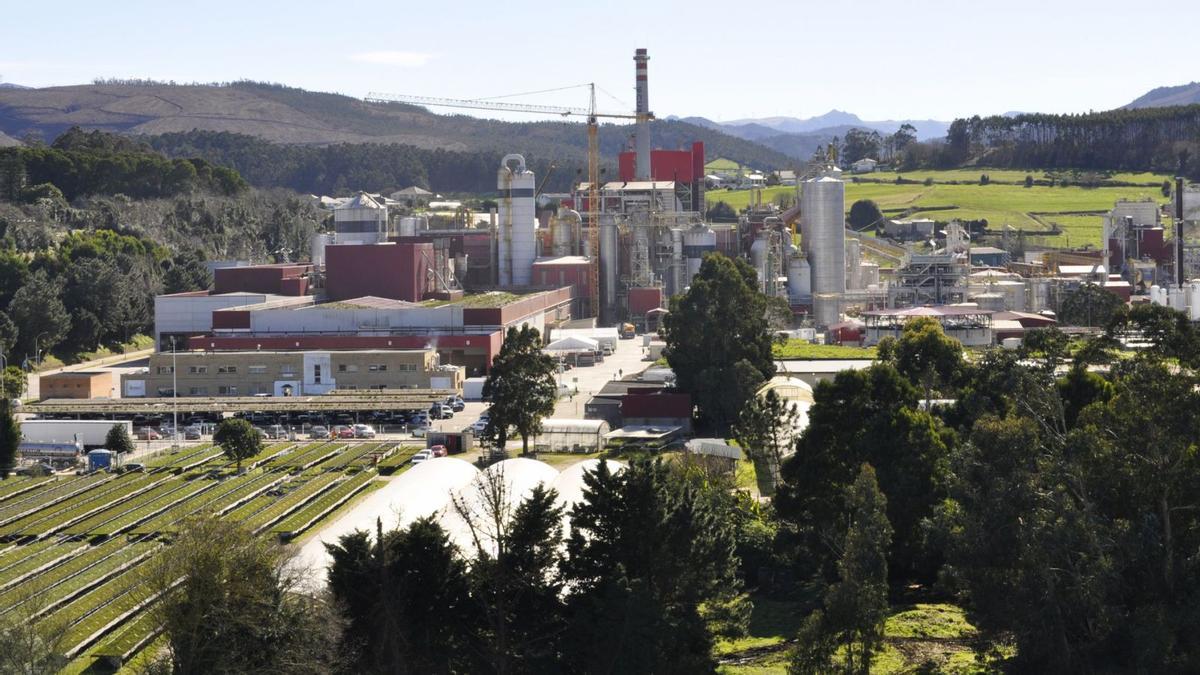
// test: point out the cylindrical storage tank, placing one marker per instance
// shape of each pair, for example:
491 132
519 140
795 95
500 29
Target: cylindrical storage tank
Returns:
799 277
854 280
517 221
608 261
564 232
1179 299
827 309
409 225
991 301
1194 305
870 274
758 258
1154 295
316 248
1039 294
823 210
697 240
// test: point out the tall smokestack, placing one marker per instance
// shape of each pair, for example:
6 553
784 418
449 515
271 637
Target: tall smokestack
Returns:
1179 270
641 169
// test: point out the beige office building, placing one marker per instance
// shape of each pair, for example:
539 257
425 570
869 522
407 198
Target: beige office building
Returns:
298 373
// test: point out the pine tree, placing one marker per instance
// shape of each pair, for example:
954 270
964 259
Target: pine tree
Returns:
521 387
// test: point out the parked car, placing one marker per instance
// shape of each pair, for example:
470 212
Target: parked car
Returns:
441 411
192 434
276 431
419 431
438 450
318 432
479 425
456 403
148 434
134 466
364 431
341 431
421 456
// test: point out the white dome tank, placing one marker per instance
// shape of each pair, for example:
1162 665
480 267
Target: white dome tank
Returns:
697 240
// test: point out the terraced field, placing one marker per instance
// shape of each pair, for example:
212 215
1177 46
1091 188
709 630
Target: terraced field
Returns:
77 546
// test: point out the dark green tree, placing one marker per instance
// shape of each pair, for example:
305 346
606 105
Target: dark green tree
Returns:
765 431
41 318
718 339
850 629
230 602
864 214
521 387
187 273
722 213
10 438
238 439
1090 305
648 549
118 440
14 383
406 601
925 354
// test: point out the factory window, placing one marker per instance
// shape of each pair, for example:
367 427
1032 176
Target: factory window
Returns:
227 391
198 370
256 370
316 373
378 367
287 370
198 391
229 370
166 370
350 387
347 368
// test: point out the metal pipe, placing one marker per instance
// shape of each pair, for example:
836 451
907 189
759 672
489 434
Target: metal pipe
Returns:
1179 271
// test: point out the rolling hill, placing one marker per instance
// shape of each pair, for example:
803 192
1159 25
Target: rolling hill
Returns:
1184 94
289 115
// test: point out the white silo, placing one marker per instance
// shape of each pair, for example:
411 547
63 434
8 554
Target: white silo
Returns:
697 240
827 308
411 225
316 247
799 278
517 219
1194 298
758 257
823 213
362 220
854 272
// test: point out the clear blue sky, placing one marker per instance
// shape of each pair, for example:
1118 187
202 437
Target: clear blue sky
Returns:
722 60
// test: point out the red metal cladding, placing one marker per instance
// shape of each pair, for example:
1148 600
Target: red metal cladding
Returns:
395 271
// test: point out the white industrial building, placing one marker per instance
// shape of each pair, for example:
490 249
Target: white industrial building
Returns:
516 215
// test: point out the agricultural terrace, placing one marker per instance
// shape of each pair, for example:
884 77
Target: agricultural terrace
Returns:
73 549
1073 211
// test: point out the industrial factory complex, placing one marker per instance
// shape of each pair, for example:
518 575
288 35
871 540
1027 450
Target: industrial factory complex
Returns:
396 299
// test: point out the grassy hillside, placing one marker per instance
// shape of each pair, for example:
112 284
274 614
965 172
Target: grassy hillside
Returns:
1074 211
288 115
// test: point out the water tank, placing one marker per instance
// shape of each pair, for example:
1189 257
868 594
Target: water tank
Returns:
854 271
991 301
823 214
758 257
799 279
697 240
517 220
362 220
411 225
827 308
1155 296
316 247
1194 297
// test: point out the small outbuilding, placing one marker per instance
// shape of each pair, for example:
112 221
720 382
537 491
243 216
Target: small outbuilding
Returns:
571 435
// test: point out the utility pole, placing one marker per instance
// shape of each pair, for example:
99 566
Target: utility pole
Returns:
174 396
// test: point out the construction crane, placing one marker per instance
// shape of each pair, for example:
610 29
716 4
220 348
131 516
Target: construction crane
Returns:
593 131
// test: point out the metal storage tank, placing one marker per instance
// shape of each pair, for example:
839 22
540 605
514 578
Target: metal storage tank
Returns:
758 257
854 271
517 220
565 228
823 210
411 225
608 261
697 240
827 308
870 274
1194 300
316 247
362 220
799 278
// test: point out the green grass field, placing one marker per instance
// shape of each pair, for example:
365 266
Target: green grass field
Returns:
1076 210
799 350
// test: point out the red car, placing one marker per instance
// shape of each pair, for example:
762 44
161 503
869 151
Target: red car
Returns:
148 434
438 450
343 432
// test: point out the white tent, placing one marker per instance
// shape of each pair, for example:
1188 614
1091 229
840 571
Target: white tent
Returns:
572 345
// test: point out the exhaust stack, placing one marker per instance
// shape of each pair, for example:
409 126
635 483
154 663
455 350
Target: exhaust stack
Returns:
641 168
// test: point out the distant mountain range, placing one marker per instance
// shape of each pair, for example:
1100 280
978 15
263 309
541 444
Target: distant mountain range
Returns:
1184 94
800 137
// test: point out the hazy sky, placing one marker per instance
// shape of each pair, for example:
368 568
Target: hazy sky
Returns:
722 60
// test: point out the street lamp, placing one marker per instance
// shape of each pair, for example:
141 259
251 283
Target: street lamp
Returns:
174 396
37 351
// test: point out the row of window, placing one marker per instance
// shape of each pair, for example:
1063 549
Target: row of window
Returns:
288 370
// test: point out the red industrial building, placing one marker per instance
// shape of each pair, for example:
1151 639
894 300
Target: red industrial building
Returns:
683 167
398 271
285 279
